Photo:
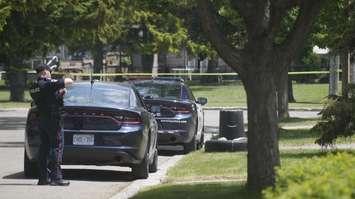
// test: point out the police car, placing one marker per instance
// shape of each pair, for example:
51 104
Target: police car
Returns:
104 124
179 115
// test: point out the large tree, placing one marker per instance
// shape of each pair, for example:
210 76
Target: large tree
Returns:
94 24
260 62
27 30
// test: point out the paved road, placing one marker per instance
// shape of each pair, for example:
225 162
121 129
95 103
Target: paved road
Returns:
87 182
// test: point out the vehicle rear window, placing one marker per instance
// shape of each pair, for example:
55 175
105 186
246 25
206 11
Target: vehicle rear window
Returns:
159 90
99 95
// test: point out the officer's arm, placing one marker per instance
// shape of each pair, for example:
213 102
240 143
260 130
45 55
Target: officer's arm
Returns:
51 84
54 85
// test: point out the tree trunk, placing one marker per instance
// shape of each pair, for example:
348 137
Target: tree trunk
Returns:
263 150
17 80
211 67
98 55
344 62
163 62
291 97
333 75
147 62
282 94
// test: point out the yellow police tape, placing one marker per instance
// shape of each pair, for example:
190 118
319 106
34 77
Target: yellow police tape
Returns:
178 74
171 74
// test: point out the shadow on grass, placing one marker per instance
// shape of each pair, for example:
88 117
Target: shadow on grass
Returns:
296 154
297 120
302 154
306 102
224 190
295 134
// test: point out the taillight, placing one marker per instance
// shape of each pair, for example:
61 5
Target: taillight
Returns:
132 120
128 120
181 110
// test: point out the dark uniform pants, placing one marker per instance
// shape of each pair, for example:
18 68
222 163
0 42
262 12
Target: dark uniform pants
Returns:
51 147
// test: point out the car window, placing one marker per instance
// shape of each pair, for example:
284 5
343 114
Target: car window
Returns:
158 90
99 95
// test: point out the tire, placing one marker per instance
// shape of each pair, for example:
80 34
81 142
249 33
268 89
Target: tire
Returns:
202 141
141 170
154 166
190 146
30 168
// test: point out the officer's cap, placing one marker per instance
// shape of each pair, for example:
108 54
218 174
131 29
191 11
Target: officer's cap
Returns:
42 67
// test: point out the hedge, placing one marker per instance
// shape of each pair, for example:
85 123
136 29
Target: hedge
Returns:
331 176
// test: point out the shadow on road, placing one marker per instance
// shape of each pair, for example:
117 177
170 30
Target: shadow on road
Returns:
11 144
12 123
86 175
170 153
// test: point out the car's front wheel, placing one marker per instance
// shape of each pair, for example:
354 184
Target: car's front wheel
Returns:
30 168
141 170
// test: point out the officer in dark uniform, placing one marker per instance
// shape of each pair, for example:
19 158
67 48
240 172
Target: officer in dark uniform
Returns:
47 94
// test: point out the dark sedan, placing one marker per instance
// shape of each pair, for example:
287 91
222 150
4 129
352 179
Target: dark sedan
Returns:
104 124
178 113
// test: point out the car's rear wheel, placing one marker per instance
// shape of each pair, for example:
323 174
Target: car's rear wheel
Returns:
30 168
141 170
190 146
154 166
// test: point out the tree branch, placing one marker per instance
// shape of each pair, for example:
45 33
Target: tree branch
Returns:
309 9
228 53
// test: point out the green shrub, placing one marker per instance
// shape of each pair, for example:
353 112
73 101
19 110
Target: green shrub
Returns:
337 120
328 177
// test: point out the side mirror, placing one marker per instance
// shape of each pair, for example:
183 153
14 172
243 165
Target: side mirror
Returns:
202 100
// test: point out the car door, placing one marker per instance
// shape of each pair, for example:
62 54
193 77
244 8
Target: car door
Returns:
153 125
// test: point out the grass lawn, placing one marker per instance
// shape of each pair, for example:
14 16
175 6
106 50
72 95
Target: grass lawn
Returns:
233 190
210 173
233 94
223 174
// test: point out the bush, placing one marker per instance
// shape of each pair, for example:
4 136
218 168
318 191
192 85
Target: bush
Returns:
337 120
327 177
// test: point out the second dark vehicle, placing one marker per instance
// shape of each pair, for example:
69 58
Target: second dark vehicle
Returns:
179 115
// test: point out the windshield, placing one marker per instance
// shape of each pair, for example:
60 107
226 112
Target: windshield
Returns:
99 96
165 91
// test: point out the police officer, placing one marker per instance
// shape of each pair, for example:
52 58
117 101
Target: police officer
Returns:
47 94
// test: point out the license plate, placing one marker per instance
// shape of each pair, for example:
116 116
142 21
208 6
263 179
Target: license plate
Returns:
83 139
155 109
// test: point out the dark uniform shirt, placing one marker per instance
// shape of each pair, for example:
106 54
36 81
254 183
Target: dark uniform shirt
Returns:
45 93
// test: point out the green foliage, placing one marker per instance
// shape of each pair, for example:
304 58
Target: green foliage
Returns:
29 29
335 26
336 121
4 13
327 177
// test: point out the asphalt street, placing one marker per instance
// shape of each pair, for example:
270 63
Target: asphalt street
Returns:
94 182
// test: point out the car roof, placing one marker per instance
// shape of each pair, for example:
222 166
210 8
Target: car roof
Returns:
119 85
157 81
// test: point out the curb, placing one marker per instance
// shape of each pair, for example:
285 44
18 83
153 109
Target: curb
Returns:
14 109
245 108
154 179
204 108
